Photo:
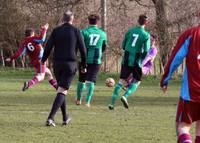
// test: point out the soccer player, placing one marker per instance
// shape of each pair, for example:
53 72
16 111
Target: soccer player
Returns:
32 46
147 63
66 40
95 40
136 45
188 111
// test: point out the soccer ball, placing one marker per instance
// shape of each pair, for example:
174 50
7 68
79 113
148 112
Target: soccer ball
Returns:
110 82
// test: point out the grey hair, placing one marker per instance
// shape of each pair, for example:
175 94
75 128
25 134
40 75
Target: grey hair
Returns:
67 16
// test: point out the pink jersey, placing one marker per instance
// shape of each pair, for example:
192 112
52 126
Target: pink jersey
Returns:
32 46
147 63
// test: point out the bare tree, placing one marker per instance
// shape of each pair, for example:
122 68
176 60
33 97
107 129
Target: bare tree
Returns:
11 25
164 38
168 19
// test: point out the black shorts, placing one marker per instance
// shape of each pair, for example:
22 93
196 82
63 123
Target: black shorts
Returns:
127 70
64 73
91 74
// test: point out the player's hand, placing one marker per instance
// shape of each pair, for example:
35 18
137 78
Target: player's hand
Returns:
7 59
83 70
46 26
164 88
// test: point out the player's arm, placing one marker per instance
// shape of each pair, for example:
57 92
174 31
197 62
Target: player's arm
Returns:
147 44
104 46
178 54
82 48
48 47
20 51
42 37
150 56
124 41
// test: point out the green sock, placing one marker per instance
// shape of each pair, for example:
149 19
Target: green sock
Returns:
116 93
90 88
80 88
132 88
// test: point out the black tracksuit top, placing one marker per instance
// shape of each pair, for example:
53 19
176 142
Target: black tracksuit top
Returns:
66 41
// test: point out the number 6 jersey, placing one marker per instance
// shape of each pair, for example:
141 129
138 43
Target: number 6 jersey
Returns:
32 47
95 40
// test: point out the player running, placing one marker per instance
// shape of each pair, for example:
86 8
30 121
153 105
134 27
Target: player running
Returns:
95 40
147 63
32 46
136 45
188 111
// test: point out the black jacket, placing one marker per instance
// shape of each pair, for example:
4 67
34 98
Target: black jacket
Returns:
66 40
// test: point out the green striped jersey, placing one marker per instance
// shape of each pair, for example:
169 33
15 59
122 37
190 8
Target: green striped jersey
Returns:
94 39
136 44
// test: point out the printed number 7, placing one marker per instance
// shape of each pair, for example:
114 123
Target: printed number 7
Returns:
135 37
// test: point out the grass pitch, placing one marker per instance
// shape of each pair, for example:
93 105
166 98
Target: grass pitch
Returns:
150 118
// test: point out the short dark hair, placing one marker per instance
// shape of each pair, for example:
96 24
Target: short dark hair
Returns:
29 32
67 16
142 20
93 19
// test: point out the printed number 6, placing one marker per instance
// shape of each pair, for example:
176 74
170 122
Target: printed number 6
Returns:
30 47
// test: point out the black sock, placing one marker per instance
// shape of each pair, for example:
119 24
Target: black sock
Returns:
56 105
64 110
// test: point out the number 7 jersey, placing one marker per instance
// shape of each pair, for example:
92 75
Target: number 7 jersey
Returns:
136 43
95 40
32 47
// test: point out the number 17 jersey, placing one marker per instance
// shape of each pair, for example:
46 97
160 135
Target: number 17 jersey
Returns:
95 39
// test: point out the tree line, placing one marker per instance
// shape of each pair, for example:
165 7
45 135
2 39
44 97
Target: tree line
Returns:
168 19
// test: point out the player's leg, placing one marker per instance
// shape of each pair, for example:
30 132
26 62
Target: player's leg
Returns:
90 91
40 69
184 133
129 81
130 90
60 97
197 139
125 72
115 93
80 86
64 75
137 74
184 119
58 102
66 118
68 77
79 91
39 77
92 73
52 81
